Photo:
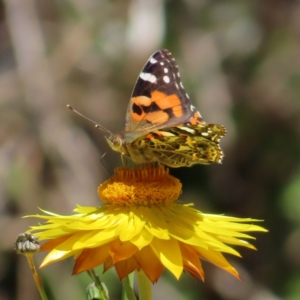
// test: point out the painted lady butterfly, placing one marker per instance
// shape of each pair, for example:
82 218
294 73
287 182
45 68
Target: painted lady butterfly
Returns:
161 124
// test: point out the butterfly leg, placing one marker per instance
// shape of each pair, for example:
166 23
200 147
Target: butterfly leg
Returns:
102 165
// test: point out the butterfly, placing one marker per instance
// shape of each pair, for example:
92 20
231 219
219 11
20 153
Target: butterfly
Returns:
161 123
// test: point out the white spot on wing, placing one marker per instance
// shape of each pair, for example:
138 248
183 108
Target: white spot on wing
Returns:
181 84
153 60
148 77
166 70
188 129
166 79
161 63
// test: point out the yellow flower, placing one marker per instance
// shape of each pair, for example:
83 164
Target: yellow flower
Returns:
141 227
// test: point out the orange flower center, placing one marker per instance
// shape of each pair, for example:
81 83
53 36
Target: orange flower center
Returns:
140 187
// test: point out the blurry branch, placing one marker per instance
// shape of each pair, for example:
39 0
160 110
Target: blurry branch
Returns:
29 47
9 85
44 100
75 42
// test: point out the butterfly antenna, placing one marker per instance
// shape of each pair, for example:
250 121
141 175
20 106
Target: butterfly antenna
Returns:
97 125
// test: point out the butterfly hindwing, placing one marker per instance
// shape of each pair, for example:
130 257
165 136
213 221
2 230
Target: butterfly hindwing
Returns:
181 146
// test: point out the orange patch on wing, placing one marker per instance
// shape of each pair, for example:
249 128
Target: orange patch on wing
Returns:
150 136
157 117
158 134
137 117
164 101
196 119
141 100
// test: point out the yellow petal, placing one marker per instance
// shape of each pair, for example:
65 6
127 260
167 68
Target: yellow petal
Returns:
169 254
191 261
131 228
56 255
51 244
219 260
142 239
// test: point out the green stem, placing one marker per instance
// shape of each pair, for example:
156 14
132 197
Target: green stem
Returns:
36 277
98 284
128 293
144 285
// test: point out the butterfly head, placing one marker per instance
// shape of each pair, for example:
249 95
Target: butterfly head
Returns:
115 141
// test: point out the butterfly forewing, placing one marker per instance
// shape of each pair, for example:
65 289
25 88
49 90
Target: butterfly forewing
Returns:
159 99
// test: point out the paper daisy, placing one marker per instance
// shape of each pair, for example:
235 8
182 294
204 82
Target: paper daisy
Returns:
141 227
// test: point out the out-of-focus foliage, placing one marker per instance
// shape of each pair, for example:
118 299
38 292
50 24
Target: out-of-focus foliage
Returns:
240 63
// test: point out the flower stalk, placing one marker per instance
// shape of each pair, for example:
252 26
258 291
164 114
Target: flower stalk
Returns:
28 244
100 286
144 285
36 277
128 293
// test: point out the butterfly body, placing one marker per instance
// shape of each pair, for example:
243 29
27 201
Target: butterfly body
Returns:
161 124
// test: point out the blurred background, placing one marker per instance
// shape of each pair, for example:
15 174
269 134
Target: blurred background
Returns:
239 62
